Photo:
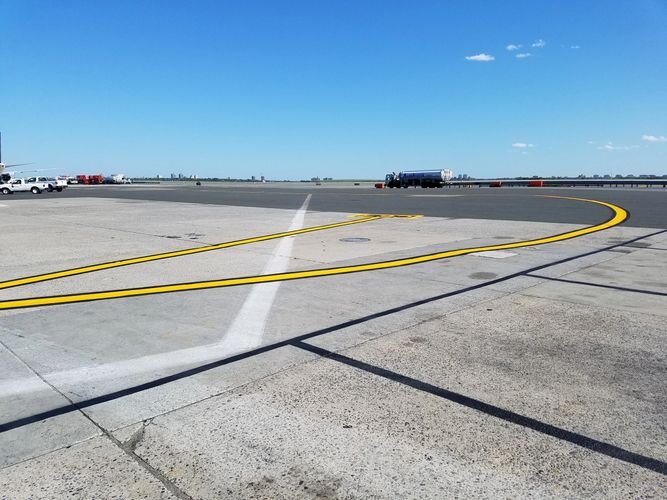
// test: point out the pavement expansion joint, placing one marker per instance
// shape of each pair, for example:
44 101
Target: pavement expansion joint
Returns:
129 450
494 411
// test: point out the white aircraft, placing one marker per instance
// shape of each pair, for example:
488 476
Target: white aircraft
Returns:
5 175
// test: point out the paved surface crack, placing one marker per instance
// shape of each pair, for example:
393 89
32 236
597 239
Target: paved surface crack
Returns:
128 449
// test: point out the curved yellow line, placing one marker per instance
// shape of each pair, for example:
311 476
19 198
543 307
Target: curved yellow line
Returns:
619 216
179 253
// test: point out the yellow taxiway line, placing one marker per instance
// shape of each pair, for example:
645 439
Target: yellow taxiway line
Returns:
619 215
179 253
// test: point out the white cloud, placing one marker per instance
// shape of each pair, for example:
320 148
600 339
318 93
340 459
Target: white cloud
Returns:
654 138
522 145
610 147
575 47
513 46
523 55
539 44
481 57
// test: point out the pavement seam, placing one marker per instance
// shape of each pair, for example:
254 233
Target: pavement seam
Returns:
560 433
103 432
416 324
552 299
195 242
601 285
129 449
54 389
225 391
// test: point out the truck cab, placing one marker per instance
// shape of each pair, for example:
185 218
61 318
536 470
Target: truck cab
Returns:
392 180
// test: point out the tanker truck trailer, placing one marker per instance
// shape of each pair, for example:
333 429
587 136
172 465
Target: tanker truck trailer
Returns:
423 178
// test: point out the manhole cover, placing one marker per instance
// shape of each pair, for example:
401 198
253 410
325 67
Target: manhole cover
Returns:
355 240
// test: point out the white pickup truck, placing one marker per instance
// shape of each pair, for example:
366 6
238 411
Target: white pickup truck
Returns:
54 183
22 185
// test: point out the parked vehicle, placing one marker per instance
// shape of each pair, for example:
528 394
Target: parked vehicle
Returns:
117 179
22 185
90 179
53 183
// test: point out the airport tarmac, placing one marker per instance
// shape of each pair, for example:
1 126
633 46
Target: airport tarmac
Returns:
299 342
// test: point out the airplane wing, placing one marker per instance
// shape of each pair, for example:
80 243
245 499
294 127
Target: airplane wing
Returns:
16 165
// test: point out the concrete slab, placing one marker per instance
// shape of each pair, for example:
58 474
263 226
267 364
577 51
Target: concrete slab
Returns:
631 302
25 397
637 270
323 430
94 469
593 371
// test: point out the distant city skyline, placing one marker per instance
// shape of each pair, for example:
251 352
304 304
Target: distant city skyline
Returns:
345 90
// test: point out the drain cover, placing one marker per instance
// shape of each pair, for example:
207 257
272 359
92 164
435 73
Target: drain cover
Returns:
355 240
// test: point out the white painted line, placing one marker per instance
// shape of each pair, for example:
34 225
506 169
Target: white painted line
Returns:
247 330
86 376
435 195
496 254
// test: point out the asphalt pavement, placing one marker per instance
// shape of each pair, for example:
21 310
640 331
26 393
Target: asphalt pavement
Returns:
647 206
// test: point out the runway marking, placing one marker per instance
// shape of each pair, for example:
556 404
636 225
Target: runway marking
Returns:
496 254
189 251
247 329
435 195
619 215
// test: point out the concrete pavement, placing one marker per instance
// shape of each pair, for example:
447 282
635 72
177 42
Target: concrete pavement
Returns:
536 371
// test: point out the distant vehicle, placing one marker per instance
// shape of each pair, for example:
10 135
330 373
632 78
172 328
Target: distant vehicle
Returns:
117 179
53 183
90 179
423 178
22 185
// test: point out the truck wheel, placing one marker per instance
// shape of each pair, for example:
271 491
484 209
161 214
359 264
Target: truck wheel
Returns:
35 190
5 191
59 189
50 188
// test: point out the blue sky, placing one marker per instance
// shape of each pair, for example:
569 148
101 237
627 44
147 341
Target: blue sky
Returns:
341 89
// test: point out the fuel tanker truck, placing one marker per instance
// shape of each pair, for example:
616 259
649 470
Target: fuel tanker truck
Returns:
423 178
